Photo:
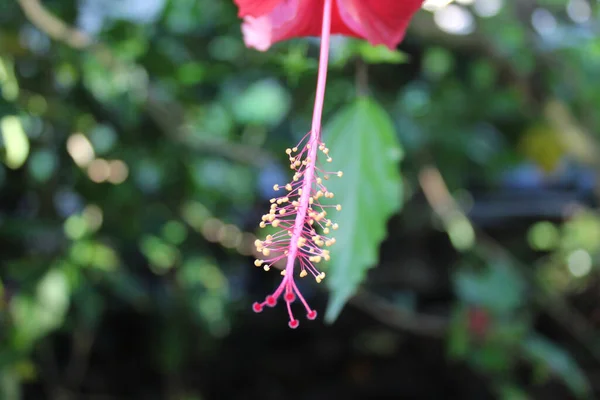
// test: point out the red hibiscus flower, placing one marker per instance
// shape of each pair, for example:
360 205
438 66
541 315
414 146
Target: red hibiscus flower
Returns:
303 224
379 21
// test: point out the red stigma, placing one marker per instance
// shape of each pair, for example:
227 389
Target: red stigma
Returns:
311 315
289 297
294 323
257 307
271 301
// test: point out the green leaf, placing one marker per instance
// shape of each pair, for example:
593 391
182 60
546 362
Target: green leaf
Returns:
264 102
559 361
365 147
499 287
353 48
16 142
438 62
38 315
10 385
512 392
492 358
380 54
458 335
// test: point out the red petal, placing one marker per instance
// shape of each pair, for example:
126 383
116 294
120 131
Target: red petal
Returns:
255 8
379 21
309 21
290 19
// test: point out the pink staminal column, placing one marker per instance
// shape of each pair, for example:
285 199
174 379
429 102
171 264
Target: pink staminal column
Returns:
302 224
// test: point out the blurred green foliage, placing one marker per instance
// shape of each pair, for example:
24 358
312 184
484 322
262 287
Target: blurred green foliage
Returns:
140 142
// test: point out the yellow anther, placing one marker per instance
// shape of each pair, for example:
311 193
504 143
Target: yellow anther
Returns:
328 223
301 242
326 231
340 174
311 200
267 268
335 226
315 238
300 192
326 177
295 203
322 275
273 200
308 146
258 263
321 146
258 243
338 207
329 159
297 163
303 273
315 259
266 252
326 151
328 243
319 181
318 279
294 149
319 243
288 151
276 187
283 272
282 211
269 238
288 187
326 256
262 224
311 222
275 223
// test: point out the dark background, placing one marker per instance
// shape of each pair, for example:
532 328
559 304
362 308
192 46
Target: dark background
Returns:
140 140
